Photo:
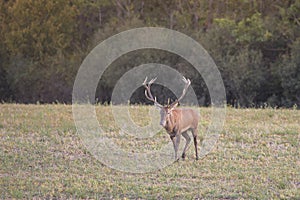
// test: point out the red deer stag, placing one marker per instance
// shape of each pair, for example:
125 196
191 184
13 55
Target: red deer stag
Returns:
176 121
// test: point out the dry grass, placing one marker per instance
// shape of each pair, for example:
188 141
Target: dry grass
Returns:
257 157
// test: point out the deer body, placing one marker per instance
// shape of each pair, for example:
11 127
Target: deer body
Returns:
180 119
177 121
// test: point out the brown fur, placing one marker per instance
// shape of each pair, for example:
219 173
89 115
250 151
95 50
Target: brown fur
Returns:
178 122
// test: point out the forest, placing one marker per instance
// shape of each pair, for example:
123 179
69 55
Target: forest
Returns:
254 43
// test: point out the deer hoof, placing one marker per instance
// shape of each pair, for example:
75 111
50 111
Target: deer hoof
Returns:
183 156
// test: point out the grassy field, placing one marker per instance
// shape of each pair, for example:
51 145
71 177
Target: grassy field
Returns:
257 157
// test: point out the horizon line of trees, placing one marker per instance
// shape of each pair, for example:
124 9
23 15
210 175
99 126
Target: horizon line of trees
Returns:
255 44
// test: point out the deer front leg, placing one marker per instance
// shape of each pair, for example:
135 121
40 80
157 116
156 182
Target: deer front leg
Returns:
176 141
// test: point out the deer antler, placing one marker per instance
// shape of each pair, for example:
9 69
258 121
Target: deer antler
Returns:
187 84
148 91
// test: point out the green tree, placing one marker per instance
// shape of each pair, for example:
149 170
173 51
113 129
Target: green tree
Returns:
290 76
44 43
39 28
5 92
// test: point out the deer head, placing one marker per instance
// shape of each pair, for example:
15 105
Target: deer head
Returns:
166 114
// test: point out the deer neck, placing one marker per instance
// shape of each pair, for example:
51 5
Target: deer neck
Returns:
172 122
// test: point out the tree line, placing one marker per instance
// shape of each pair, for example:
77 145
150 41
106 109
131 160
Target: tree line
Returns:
255 44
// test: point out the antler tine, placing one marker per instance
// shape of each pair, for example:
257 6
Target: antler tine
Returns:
187 84
145 81
152 80
148 91
186 81
147 96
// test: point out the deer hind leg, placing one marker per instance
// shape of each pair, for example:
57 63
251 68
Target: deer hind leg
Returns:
195 133
188 140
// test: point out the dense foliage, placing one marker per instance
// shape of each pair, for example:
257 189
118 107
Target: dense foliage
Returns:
255 44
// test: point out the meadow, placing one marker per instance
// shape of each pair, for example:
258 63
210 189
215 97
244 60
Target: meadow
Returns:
41 156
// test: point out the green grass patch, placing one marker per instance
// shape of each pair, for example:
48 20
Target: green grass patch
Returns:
41 156
286 132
